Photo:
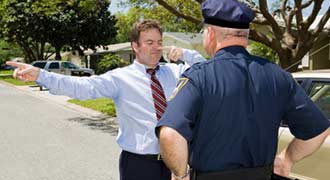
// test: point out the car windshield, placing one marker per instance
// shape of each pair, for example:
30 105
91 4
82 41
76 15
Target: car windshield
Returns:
39 64
69 65
320 94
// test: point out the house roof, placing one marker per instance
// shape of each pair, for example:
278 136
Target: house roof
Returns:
110 48
185 40
189 38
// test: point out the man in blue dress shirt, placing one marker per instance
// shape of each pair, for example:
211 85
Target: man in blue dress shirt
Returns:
130 89
223 118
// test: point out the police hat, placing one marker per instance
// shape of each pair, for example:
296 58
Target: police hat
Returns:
227 13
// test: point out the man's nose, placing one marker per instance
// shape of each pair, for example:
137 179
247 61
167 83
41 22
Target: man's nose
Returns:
157 47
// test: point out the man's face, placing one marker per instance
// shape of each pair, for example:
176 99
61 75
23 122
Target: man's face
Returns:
149 49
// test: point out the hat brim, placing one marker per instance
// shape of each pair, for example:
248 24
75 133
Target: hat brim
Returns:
224 23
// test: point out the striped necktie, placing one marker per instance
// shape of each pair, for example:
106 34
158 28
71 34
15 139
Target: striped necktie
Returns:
157 93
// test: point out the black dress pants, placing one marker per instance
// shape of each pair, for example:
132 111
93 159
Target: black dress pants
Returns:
138 167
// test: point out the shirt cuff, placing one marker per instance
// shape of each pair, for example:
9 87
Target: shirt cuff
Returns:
191 56
41 77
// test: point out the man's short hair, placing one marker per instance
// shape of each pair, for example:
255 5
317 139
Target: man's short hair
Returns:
144 25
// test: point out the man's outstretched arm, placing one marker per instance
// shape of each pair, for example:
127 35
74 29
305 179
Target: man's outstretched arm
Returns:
75 87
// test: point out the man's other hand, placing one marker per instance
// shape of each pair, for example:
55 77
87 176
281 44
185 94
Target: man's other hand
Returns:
173 53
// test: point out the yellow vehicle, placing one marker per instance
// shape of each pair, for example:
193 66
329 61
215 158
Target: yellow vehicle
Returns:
315 167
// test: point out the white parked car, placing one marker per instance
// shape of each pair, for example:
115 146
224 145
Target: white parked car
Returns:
317 85
63 67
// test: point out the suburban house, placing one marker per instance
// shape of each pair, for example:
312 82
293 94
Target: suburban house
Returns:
319 56
124 50
185 40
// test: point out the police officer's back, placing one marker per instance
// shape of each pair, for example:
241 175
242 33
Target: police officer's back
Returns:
229 108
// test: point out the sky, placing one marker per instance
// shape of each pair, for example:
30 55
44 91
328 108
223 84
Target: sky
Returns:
114 8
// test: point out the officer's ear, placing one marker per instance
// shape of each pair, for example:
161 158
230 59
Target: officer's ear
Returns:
211 37
211 33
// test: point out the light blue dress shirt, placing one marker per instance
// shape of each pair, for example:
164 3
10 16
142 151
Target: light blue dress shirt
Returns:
129 87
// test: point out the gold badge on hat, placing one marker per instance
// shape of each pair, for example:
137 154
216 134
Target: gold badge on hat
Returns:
181 83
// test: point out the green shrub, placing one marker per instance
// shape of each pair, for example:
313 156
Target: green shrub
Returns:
109 62
261 50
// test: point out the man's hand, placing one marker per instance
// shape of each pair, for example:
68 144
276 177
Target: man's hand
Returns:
297 150
173 53
282 166
24 72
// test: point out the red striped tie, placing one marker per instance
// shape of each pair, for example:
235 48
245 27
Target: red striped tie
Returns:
157 93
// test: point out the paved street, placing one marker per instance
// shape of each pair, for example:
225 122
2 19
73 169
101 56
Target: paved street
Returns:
43 138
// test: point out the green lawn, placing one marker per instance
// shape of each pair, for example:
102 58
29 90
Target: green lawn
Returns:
6 75
103 105
9 72
17 82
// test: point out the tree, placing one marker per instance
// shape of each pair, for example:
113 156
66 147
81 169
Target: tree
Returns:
78 24
150 10
19 25
284 29
109 62
261 50
8 51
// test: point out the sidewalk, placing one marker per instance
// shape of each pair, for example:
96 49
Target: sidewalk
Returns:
62 101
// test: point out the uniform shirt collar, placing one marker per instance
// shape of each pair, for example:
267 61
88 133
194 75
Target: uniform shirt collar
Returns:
231 49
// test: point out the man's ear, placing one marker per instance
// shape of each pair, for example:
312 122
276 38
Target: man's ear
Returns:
134 46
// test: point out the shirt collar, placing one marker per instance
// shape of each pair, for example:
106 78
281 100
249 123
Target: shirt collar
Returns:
231 49
140 67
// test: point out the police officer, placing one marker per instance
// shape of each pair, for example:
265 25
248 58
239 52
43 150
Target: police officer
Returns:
224 115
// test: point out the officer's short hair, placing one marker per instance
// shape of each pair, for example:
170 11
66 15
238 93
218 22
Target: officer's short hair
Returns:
233 32
144 25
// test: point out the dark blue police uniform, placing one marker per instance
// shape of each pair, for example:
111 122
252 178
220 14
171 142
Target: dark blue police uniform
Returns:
229 108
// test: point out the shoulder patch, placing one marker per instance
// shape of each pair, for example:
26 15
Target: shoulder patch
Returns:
181 83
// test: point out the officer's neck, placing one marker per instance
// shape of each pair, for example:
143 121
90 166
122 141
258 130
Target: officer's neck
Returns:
235 41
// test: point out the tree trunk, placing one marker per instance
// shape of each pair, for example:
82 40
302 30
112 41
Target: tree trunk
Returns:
58 53
288 62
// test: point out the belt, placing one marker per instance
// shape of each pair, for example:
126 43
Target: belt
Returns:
156 157
257 173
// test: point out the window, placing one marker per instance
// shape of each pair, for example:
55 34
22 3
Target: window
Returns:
54 65
68 65
299 81
40 64
320 94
